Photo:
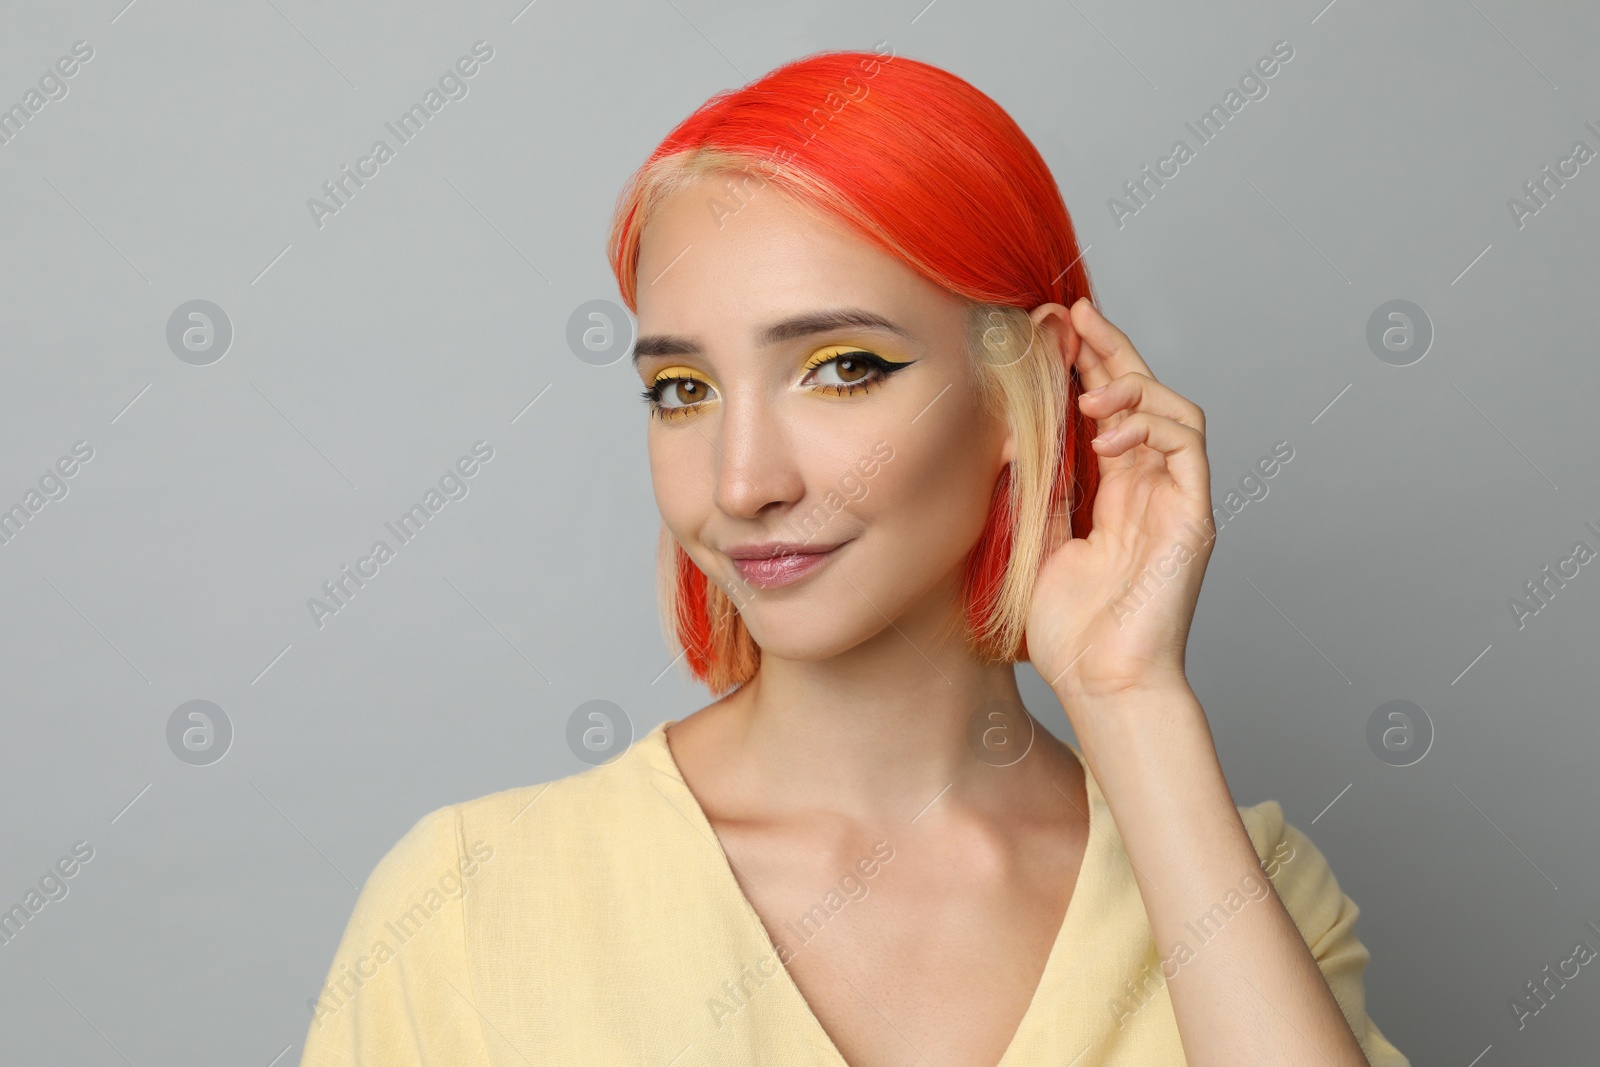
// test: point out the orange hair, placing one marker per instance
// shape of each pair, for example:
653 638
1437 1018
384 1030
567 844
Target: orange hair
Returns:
923 166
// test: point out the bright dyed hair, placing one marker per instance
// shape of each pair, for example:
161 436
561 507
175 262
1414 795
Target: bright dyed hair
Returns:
918 163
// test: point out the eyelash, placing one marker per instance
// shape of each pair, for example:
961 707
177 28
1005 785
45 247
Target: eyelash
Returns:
884 367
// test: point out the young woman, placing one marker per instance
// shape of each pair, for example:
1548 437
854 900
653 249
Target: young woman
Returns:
865 332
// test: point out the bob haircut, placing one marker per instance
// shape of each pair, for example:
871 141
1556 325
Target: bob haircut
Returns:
922 165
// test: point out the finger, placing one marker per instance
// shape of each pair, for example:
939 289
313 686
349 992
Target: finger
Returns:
1137 392
1182 446
1109 352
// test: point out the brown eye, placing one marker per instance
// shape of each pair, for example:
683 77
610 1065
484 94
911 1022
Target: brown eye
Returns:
845 369
848 368
681 392
677 391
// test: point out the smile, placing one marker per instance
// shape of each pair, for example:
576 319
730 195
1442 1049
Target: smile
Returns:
784 569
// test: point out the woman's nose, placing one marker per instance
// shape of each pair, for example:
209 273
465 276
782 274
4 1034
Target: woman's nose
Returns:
757 462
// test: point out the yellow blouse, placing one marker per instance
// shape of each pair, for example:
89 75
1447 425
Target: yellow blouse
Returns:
595 920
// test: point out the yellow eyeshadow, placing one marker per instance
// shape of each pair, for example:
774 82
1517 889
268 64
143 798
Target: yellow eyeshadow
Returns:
678 372
831 352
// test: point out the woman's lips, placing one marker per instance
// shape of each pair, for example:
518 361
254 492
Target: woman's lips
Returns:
782 570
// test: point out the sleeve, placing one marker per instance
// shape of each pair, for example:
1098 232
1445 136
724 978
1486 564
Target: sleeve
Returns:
1326 918
399 993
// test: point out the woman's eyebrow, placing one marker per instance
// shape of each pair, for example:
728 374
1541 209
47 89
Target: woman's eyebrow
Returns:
789 329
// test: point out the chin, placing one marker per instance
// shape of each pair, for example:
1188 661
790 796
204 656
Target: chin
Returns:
806 636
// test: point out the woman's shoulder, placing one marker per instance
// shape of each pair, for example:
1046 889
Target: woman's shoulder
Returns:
607 790
553 867
1300 873
573 831
1326 916
1266 825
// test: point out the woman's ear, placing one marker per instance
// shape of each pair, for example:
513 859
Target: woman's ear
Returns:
1054 321
1008 451
1051 324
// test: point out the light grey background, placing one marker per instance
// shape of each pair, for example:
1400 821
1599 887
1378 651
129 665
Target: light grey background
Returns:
431 312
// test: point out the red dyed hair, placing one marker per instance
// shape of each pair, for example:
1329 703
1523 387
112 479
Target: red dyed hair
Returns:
923 166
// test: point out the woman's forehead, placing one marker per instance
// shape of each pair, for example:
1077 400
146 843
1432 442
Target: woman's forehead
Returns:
771 260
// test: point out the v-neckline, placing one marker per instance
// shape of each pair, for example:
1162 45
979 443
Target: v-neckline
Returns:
1067 935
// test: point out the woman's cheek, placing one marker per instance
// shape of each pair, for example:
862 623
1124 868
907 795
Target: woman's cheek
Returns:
947 484
683 495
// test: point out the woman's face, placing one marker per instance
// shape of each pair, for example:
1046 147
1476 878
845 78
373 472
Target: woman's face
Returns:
777 425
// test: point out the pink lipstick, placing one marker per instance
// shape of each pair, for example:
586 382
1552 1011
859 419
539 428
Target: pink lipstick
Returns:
775 564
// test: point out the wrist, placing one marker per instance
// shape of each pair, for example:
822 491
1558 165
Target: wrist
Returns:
1157 736
1146 706
1145 688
